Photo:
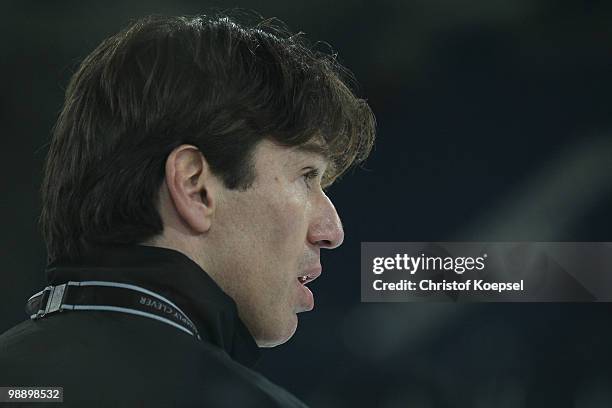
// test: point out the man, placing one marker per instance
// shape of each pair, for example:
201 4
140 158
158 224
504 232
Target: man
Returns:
184 214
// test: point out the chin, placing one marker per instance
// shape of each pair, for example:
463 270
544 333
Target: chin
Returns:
277 335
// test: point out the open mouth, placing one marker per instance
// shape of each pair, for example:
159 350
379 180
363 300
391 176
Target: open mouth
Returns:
310 276
305 279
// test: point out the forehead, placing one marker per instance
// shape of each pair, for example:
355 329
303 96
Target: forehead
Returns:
313 147
269 152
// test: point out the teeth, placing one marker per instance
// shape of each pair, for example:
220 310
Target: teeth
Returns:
303 279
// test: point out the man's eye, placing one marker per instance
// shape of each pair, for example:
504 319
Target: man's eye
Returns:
311 175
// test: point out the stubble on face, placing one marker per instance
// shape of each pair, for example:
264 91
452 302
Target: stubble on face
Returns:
260 246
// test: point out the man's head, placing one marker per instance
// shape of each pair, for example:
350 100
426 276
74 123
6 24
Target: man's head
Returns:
257 244
205 136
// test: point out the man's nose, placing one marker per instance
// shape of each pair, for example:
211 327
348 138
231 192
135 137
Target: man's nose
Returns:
326 230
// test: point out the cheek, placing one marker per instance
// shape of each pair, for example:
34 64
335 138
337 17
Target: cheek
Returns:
270 228
288 227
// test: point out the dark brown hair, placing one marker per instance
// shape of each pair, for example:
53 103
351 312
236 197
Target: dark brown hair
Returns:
206 81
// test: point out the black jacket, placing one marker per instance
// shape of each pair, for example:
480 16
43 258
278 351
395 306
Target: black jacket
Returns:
106 358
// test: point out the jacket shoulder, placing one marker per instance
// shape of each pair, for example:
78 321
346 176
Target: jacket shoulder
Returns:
123 360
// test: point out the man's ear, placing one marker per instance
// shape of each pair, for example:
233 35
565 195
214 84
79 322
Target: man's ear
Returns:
191 186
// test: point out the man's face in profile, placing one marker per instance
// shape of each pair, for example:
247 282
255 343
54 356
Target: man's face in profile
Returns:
269 237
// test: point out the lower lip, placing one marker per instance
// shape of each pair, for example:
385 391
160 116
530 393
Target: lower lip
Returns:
306 298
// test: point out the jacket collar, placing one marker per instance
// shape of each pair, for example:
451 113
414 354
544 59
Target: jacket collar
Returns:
173 275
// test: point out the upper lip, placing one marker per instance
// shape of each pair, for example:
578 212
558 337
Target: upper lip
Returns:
311 274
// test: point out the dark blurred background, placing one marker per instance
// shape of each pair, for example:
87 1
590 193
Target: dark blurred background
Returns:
494 123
